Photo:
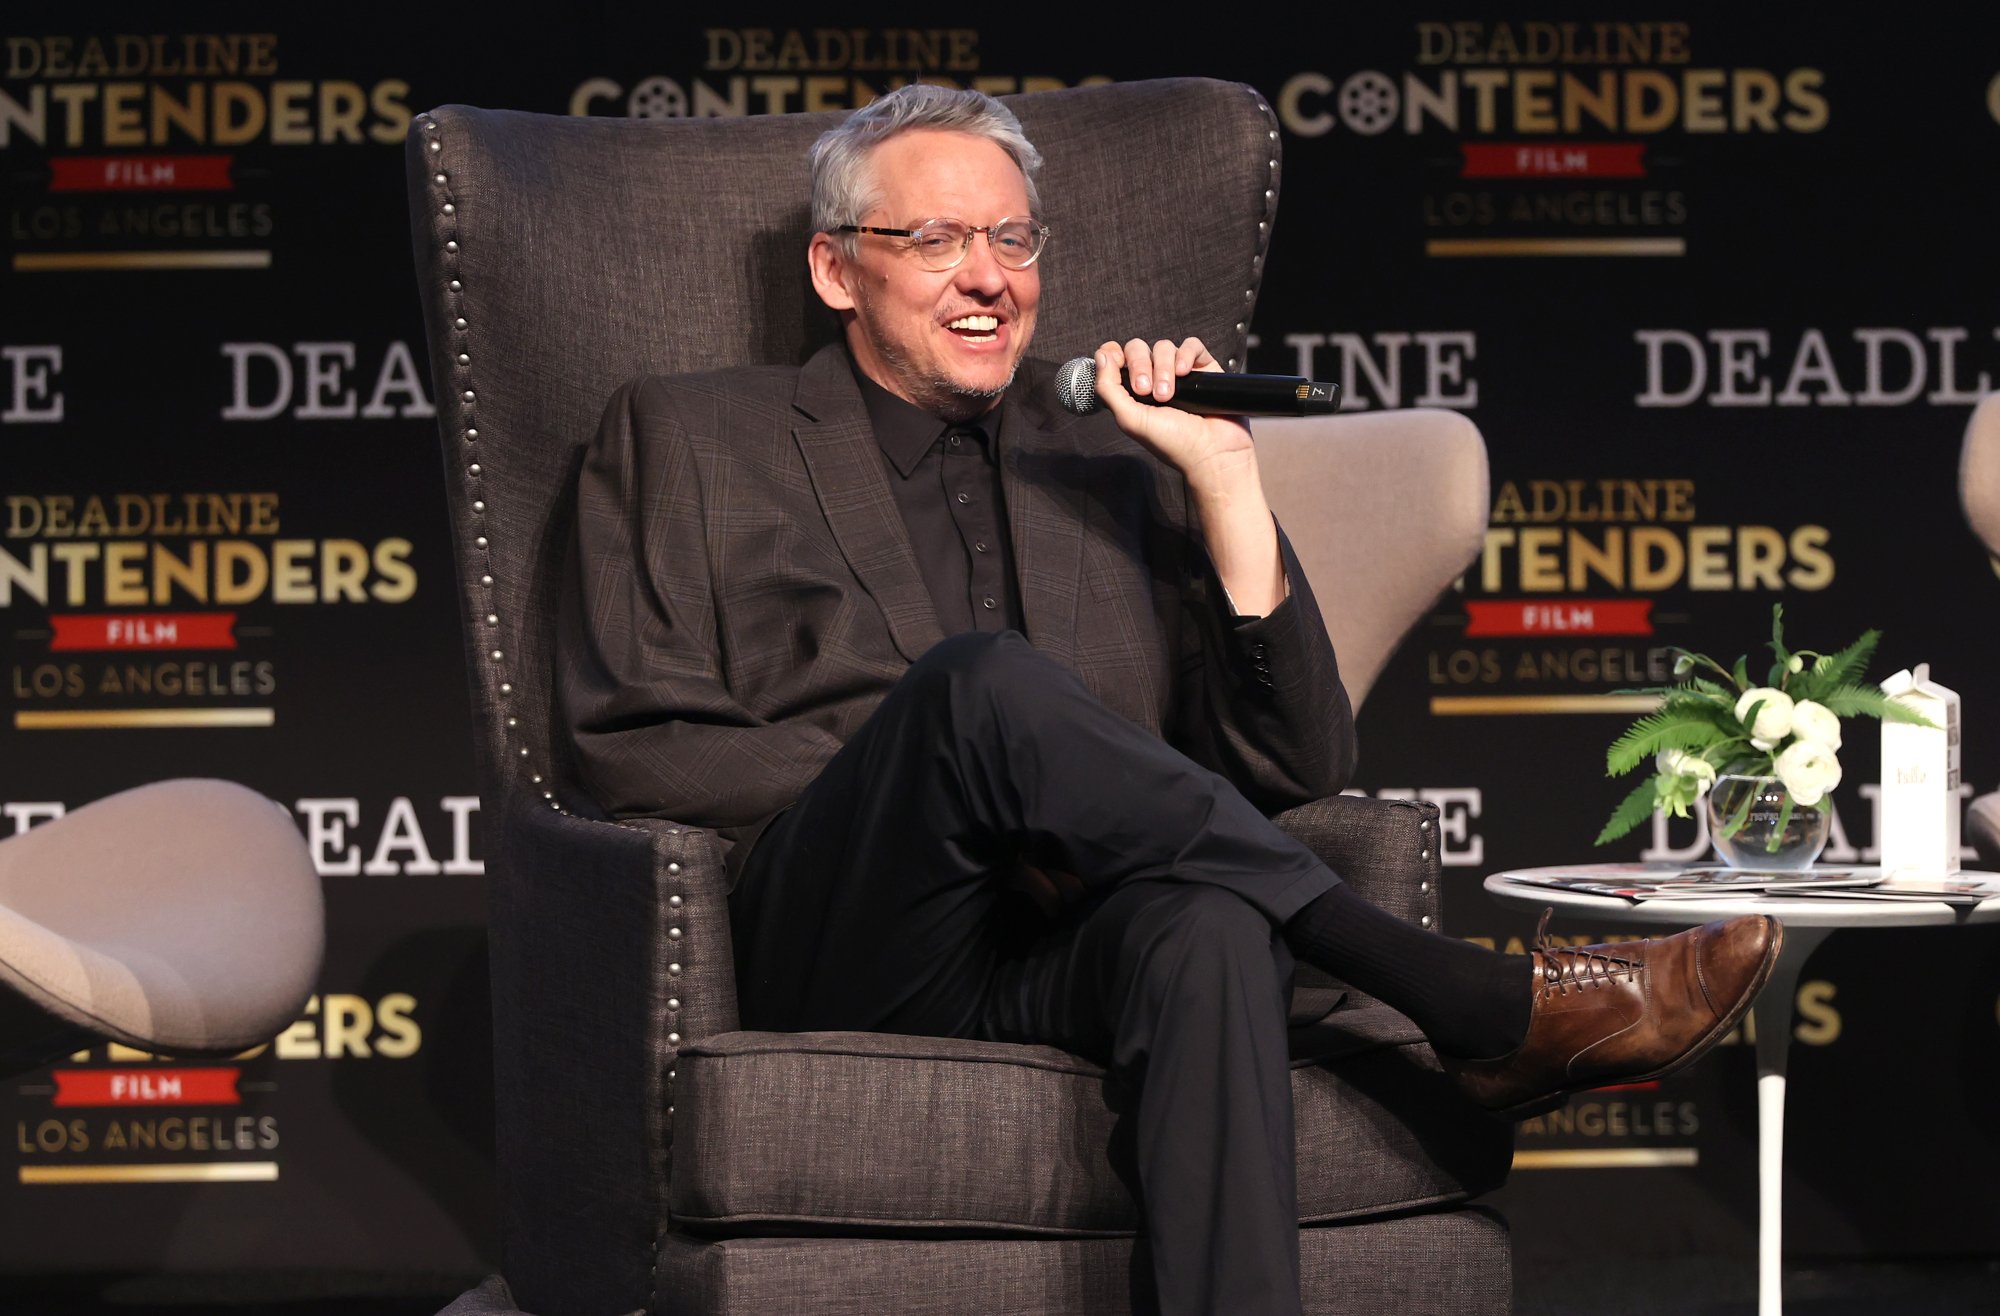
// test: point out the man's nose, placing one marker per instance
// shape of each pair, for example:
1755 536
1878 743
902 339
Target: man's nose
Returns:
979 272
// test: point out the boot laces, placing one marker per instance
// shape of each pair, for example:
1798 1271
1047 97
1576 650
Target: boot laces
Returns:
1579 968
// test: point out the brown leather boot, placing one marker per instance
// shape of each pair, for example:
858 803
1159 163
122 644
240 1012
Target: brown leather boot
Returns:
1626 1012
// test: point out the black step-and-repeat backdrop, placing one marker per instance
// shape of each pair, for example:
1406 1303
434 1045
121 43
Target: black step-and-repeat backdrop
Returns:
1716 283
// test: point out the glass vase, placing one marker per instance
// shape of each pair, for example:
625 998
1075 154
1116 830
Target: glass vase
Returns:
1758 841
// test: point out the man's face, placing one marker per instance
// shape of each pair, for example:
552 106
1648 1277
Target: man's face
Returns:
946 340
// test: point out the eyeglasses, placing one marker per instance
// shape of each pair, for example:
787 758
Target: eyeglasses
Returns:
940 244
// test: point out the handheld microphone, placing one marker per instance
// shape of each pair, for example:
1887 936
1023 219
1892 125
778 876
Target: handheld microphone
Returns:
1208 393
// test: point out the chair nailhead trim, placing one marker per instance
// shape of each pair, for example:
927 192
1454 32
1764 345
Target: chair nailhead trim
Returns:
447 209
1263 225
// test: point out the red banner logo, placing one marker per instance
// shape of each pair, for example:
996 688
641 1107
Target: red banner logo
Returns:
1497 617
1554 160
147 1087
141 173
83 631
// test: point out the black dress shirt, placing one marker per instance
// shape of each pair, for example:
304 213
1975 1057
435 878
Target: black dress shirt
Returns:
946 482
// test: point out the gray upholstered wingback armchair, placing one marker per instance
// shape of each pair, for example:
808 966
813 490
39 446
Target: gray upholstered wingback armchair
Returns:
653 1156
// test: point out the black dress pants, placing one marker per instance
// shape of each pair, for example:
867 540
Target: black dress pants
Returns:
880 902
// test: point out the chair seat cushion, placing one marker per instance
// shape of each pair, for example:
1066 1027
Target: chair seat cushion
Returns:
1435 1263
832 1132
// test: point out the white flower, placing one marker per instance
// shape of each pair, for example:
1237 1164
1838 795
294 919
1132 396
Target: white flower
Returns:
1692 768
1808 769
1774 719
1812 721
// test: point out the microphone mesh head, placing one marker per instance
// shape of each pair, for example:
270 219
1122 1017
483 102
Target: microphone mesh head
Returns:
1076 385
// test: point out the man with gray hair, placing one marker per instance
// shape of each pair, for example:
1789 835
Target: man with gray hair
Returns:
919 643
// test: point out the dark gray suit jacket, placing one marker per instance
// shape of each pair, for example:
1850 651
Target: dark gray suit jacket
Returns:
745 593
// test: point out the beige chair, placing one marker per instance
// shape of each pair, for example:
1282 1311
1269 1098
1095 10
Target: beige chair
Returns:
182 917
1384 508
1979 489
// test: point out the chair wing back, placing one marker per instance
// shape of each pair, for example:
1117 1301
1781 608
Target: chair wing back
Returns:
1385 510
1979 473
559 257
1979 490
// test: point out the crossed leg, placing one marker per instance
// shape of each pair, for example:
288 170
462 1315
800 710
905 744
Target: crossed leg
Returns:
880 902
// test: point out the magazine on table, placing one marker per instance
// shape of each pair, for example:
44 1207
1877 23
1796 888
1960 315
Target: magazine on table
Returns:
1700 883
1955 891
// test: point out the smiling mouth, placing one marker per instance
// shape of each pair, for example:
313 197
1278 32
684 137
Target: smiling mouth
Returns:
975 328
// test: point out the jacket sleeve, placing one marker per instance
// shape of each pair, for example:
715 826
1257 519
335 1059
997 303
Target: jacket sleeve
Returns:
639 674
1260 699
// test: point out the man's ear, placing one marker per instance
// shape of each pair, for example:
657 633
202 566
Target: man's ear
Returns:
829 265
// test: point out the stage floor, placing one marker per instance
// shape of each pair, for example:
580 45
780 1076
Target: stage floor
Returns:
1690 1286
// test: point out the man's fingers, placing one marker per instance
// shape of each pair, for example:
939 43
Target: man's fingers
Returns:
1164 371
1110 388
1110 360
1139 366
1194 355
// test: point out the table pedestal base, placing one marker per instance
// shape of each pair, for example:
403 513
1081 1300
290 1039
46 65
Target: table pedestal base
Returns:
1771 1017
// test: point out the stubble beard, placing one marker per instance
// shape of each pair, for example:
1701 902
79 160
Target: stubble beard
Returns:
942 396
937 392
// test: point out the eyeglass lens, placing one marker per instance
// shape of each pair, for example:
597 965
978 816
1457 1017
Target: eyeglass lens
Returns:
942 243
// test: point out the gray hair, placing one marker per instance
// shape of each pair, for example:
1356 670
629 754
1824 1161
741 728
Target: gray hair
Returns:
843 185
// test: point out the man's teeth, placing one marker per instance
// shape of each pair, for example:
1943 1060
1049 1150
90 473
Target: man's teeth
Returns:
981 325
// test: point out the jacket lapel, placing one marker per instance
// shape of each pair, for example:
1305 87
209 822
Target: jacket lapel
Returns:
845 466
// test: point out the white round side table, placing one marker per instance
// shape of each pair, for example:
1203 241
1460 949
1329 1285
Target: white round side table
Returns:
1807 922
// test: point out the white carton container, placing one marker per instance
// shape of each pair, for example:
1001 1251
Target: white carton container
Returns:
1920 804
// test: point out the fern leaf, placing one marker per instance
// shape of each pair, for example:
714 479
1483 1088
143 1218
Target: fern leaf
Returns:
1850 699
1700 703
1670 727
1636 808
1846 667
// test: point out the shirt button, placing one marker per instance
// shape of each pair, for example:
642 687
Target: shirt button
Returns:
953 440
979 547
965 498
988 602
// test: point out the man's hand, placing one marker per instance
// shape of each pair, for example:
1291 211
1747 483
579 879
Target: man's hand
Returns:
1049 888
1213 453
1206 449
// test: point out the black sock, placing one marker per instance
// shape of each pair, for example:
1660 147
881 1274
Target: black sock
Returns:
1471 1002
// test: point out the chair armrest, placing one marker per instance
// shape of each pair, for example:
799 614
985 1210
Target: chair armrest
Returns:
1386 850
610 945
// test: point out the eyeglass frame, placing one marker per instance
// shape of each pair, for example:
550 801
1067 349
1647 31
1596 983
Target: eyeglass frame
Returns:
1040 230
